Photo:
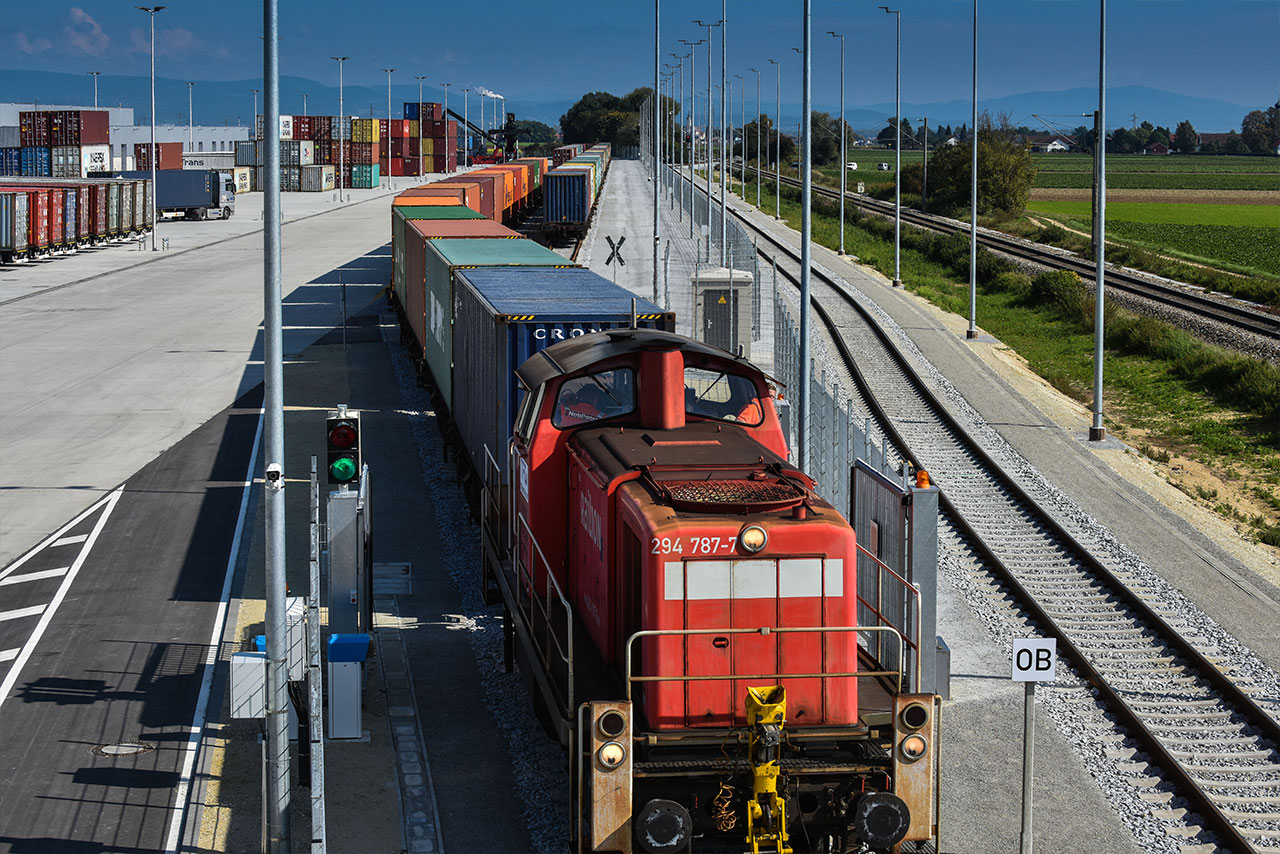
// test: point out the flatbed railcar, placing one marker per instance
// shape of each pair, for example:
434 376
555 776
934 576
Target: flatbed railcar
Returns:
683 605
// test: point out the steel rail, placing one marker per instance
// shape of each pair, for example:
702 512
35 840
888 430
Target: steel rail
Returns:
1209 811
1257 321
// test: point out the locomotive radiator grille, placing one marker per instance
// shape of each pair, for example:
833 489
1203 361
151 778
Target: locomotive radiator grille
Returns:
733 492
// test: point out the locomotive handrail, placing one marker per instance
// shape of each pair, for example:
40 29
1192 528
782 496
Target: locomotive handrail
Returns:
526 582
763 630
490 499
876 610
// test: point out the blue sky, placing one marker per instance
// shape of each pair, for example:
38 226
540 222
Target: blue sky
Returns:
532 50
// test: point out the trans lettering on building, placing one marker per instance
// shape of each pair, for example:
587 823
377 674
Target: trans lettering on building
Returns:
559 334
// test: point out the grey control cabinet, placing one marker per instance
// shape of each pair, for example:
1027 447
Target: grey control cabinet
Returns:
722 308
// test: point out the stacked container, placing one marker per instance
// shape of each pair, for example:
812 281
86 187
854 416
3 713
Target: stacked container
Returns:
170 155
55 143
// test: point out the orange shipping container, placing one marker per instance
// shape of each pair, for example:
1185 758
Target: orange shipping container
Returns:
406 200
472 196
508 181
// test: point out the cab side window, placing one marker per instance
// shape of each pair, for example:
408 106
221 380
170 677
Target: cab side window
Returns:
594 397
721 396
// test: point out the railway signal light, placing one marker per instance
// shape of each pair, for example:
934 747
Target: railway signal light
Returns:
342 436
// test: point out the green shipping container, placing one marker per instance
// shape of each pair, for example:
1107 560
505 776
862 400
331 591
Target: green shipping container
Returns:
401 214
535 171
433 323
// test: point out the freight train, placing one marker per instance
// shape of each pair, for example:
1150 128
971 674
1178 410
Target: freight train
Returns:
43 216
572 188
680 601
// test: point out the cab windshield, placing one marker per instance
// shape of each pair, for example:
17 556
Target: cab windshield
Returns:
595 397
722 396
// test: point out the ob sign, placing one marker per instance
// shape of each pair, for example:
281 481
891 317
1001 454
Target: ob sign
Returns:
1034 659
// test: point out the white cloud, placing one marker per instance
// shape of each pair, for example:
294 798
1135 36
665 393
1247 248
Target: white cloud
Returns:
86 34
170 42
26 45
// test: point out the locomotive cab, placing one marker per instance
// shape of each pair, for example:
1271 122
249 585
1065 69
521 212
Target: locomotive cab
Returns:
687 607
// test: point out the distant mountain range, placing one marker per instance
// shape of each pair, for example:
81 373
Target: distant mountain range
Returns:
223 102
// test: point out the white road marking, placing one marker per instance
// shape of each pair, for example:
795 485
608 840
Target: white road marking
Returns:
9 654
35 576
192 748
19 613
106 505
70 541
53 538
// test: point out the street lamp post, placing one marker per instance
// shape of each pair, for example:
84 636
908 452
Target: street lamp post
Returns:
342 119
724 123
466 126
421 171
1097 432
710 119
806 234
843 155
304 103
678 141
191 117
744 130
657 143
742 123
897 149
151 11
255 112
972 331
388 71
95 88
453 143
693 108
777 158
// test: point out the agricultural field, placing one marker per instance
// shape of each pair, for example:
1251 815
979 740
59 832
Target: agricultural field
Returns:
1236 237
1153 172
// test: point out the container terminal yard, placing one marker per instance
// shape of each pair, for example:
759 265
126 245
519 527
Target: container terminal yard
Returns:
602 600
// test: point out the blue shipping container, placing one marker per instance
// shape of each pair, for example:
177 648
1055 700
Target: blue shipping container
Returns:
36 162
502 316
69 218
10 161
13 223
566 195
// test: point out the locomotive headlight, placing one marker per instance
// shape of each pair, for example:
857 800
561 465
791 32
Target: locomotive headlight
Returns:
611 754
913 747
752 539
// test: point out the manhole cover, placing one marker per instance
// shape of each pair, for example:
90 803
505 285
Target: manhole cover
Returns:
123 748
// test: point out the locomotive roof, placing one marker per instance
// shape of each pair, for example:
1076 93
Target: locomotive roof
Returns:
571 356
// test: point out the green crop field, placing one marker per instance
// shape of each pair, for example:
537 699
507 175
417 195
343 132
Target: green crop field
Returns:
1151 163
1260 216
1243 246
1163 180
1238 236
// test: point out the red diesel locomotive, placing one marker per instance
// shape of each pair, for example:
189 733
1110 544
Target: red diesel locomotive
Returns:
684 607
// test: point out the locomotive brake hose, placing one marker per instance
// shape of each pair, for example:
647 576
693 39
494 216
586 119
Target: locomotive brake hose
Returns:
722 809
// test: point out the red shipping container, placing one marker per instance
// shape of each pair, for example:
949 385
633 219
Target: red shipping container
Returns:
57 229
95 128
302 127
170 155
383 131
33 128
38 215
98 209
400 128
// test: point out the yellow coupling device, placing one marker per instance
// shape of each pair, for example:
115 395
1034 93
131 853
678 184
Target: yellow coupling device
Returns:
766 811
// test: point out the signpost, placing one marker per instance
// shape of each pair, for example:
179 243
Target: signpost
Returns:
1034 660
615 253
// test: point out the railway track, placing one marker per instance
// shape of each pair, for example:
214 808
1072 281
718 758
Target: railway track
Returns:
1120 630
1224 311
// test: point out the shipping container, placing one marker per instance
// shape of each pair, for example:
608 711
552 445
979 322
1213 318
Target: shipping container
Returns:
57 197
10 136
422 111
33 129
537 168
426 207
115 203
98 194
94 157
364 176
13 223
70 216
37 217
10 161
317 179
170 155
65 161
429 290
416 232
126 207
567 196
242 178
246 152
502 317
36 162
